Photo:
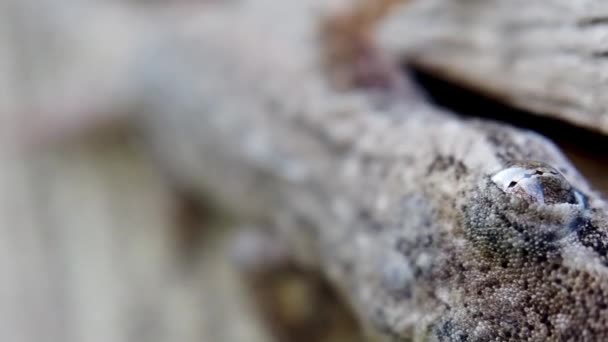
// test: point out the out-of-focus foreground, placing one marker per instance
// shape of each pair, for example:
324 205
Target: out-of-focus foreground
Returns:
96 242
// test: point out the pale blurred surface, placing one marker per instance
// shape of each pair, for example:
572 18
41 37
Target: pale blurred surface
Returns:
89 231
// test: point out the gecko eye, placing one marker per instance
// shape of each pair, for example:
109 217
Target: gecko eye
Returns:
536 182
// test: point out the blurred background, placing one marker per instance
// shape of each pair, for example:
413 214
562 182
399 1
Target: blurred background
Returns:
97 244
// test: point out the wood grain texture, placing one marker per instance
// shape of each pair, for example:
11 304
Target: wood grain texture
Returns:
548 57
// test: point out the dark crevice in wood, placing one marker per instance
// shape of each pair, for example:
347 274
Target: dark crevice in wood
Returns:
586 149
593 21
599 54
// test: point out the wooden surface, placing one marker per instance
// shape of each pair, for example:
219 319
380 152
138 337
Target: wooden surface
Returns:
548 57
90 236
90 252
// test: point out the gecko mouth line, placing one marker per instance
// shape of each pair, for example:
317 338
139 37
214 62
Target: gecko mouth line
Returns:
583 147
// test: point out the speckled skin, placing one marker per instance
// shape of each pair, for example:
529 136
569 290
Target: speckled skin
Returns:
536 271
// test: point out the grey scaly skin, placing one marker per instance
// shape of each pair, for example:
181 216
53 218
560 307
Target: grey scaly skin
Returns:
432 227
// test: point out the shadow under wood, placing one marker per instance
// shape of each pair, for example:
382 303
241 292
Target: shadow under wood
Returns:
586 149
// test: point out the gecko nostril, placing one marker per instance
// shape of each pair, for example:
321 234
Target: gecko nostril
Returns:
535 182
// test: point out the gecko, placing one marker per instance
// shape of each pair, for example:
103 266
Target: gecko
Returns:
432 226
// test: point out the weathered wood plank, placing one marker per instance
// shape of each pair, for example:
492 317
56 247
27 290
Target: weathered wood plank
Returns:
548 57
88 236
89 252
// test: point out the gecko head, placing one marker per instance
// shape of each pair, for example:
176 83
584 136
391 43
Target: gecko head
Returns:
536 261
